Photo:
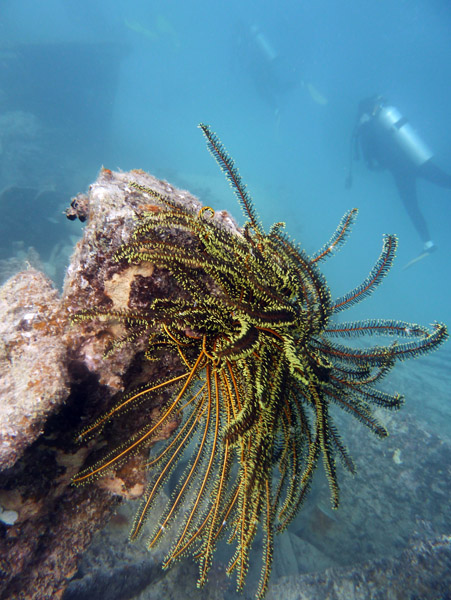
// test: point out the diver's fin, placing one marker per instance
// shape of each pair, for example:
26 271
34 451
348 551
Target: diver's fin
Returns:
415 260
316 95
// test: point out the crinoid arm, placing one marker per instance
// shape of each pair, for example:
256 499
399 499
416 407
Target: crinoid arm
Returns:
228 166
424 341
338 238
378 272
131 446
379 327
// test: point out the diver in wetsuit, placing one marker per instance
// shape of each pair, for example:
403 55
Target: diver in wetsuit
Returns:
272 76
388 141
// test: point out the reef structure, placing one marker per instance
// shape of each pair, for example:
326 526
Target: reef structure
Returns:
53 377
127 297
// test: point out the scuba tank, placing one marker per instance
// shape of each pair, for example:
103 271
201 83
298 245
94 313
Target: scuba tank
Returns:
264 46
404 135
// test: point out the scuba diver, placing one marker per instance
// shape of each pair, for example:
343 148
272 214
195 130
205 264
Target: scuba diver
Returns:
388 141
269 72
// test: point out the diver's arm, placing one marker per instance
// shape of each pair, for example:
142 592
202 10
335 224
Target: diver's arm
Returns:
369 146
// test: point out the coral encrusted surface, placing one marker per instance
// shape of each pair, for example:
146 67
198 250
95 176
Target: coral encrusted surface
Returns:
54 378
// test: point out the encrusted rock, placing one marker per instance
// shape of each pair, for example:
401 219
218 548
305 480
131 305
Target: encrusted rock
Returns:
54 378
33 374
112 208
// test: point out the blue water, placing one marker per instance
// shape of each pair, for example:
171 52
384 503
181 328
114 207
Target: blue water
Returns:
179 63
124 84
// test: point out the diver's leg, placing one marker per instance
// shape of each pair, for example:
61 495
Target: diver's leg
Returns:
407 189
432 172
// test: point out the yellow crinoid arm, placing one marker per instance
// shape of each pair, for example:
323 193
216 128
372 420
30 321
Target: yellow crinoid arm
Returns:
127 449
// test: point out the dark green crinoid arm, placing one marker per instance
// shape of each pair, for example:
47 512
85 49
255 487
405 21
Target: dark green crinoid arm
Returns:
378 272
228 166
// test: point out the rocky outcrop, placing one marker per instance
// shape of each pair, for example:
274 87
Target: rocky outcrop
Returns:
54 378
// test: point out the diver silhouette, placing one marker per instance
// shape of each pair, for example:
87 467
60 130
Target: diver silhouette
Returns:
388 141
272 76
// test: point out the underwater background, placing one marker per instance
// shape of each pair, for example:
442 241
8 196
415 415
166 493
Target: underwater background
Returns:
124 84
